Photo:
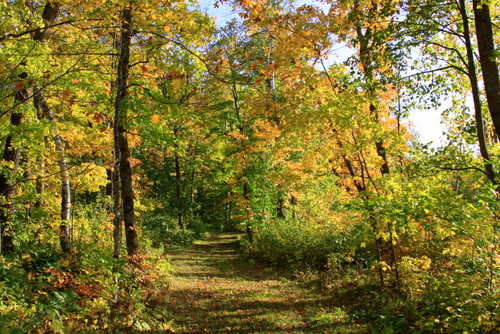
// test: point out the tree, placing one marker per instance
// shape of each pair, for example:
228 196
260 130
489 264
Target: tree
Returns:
471 72
370 28
489 64
452 48
122 151
50 13
45 113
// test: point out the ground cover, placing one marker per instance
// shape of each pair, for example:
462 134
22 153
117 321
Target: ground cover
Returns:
214 289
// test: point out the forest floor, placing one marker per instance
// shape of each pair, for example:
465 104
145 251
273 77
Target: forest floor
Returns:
215 289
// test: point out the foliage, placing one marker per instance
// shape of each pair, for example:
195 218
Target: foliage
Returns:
45 291
164 231
297 243
253 126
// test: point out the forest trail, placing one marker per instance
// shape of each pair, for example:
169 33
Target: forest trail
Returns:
215 290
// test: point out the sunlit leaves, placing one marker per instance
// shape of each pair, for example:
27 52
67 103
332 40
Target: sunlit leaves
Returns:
156 118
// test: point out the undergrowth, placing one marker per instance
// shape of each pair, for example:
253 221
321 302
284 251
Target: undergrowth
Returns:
46 291
433 295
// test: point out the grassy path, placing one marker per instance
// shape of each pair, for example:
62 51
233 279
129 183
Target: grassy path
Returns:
214 290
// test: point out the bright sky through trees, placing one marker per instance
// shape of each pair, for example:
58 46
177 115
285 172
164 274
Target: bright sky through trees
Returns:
425 124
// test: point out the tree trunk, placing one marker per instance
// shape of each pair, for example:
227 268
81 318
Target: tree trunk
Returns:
178 191
178 182
246 197
489 66
113 172
49 15
127 192
379 144
191 192
117 208
365 40
365 49
40 185
64 234
281 206
471 70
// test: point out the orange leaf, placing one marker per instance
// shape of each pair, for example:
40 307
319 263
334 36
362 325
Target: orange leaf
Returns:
19 85
156 118
144 69
98 117
66 94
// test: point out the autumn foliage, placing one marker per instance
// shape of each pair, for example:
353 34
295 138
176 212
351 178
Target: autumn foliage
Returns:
130 127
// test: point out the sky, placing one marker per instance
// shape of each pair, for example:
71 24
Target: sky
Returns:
424 124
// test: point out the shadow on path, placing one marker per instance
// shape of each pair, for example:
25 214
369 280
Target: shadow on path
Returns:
215 290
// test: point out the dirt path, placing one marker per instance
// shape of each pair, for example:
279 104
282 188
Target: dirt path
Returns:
215 290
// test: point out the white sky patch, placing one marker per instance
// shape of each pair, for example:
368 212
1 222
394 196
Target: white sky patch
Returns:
427 126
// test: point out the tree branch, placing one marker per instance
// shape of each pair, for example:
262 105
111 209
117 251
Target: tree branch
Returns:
461 169
42 88
27 32
449 48
429 71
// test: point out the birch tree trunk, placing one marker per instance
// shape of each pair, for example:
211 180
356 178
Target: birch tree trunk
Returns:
11 154
44 110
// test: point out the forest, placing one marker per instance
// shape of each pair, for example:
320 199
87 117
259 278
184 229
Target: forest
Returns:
133 128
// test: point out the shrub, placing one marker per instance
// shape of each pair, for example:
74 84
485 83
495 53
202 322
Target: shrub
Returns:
293 243
164 230
45 291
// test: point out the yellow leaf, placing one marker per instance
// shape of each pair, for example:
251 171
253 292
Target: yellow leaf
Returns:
177 84
167 326
167 28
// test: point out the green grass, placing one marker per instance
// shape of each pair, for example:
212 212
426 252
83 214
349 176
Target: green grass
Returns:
215 290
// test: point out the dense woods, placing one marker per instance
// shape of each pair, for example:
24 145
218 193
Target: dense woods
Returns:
130 127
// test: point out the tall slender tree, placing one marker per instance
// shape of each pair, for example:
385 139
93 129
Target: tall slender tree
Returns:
51 11
44 110
450 45
120 128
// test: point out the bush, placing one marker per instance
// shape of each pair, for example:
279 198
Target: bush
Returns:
45 291
164 230
293 243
